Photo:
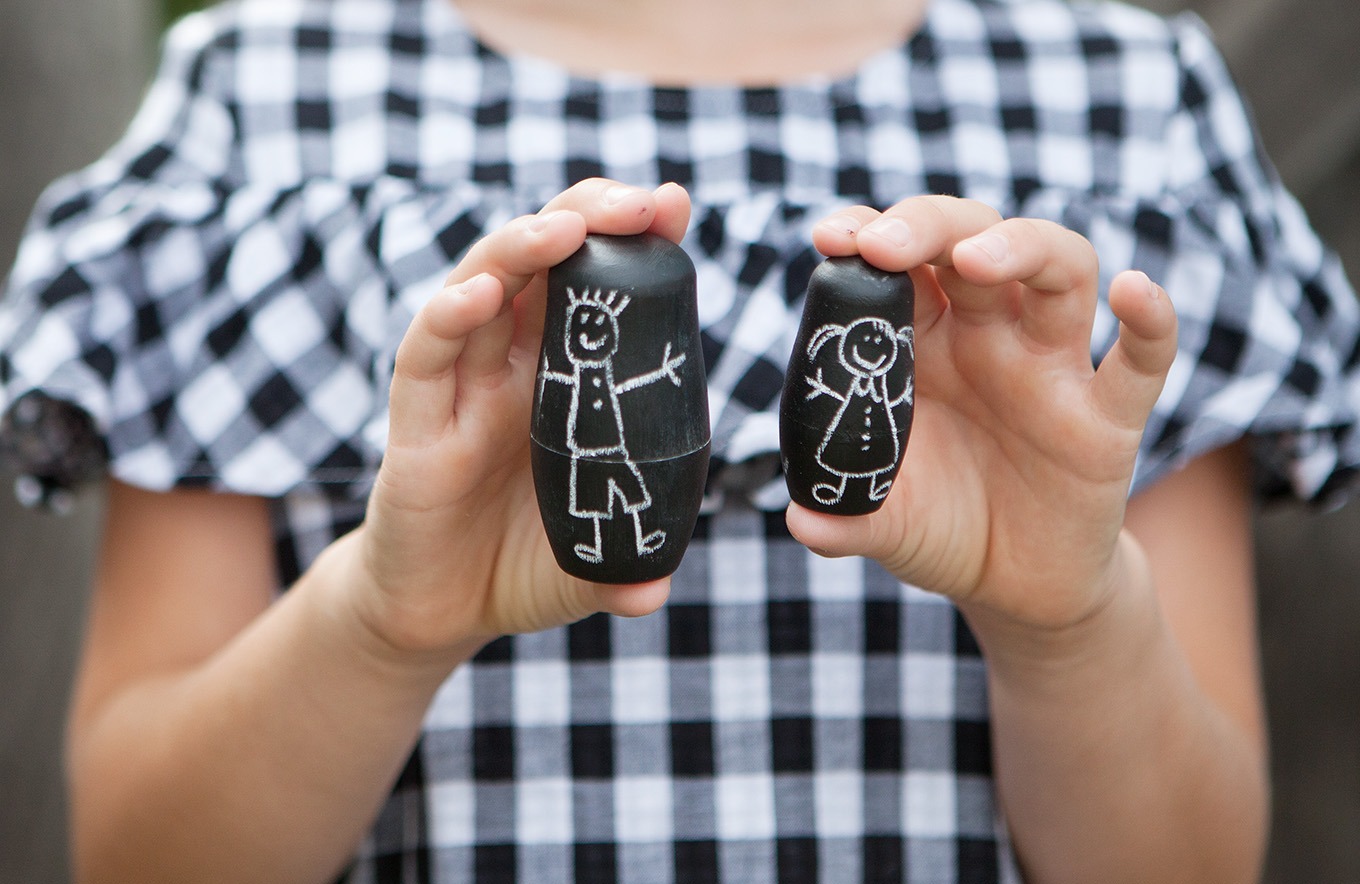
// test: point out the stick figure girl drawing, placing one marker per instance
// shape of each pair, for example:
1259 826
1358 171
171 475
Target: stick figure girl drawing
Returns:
601 468
862 441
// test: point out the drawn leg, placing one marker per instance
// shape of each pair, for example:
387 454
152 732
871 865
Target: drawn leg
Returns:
652 542
592 554
879 491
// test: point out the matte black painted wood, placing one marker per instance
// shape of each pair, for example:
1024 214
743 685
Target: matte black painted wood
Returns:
846 408
620 433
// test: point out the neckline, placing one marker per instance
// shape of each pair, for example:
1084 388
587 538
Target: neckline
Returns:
452 24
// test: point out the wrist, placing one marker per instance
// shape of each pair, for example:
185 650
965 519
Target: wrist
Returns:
360 608
1119 627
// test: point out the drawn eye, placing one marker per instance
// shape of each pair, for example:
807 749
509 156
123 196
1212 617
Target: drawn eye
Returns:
599 320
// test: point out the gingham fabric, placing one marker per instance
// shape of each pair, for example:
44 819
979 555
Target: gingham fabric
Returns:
220 299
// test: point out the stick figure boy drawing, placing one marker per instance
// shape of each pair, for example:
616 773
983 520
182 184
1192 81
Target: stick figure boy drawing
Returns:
862 440
602 471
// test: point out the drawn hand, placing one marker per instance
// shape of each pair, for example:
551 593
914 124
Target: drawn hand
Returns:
669 365
1012 493
819 387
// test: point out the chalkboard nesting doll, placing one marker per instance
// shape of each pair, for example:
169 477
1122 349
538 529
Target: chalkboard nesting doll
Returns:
846 406
620 434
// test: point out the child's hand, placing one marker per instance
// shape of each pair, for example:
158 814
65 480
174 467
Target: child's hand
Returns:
453 546
1011 496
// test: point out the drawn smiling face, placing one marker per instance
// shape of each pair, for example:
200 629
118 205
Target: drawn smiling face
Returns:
592 334
869 347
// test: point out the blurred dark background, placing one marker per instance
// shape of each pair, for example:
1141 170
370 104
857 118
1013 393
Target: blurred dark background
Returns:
71 74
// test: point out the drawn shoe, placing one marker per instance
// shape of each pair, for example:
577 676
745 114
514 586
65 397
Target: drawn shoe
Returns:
827 494
651 543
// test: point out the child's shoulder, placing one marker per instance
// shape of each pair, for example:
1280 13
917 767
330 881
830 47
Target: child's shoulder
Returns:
1040 19
1121 47
301 25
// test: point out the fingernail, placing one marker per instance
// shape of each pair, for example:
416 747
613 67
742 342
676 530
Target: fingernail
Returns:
1153 292
466 285
539 223
618 193
842 224
996 247
894 230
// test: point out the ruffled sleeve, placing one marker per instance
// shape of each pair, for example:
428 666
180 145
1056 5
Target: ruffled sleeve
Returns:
171 324
1269 334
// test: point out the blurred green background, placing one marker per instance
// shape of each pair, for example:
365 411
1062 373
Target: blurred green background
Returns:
173 9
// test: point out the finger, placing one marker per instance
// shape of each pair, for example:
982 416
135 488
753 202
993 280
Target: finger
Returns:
486 350
533 243
672 212
1056 269
1042 255
838 234
630 600
826 535
834 236
922 230
877 536
608 206
669 219
531 315
424 382
526 246
930 301
1131 376
515 255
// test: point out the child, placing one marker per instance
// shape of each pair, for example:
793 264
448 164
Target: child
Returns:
243 303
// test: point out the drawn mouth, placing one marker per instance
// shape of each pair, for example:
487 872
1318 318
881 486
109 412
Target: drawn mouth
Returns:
588 343
866 363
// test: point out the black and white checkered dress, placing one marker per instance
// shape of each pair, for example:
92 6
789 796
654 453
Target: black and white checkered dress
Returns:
222 296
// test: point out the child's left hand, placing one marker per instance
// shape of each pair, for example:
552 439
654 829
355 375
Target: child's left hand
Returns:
1011 496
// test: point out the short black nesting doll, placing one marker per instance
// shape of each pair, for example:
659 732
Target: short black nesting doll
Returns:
620 434
846 407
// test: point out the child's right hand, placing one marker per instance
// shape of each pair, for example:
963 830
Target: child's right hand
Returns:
453 552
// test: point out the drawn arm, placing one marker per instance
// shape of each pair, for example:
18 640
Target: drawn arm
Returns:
547 374
906 394
669 364
906 337
819 387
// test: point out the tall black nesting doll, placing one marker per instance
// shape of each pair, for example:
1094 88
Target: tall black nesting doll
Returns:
846 407
620 434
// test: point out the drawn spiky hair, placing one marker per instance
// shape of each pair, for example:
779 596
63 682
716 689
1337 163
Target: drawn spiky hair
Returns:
610 302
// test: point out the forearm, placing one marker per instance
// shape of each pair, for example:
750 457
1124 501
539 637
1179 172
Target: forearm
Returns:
265 763
1112 762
